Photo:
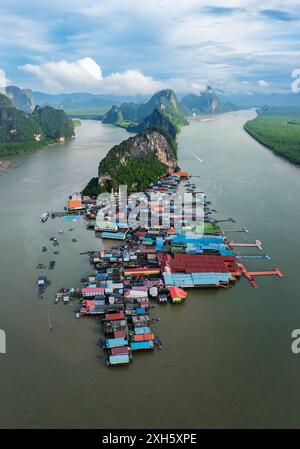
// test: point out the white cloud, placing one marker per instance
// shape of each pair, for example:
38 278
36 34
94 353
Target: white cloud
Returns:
130 82
263 83
58 74
86 75
192 43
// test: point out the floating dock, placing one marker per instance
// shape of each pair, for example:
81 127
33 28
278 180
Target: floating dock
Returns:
256 244
251 274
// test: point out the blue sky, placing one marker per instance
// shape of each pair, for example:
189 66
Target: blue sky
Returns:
139 46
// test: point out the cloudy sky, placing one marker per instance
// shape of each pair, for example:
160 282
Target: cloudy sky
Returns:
139 46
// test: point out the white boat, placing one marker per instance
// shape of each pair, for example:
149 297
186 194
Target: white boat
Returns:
44 217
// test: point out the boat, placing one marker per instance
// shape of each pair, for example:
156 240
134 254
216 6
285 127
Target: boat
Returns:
44 217
158 342
162 299
51 264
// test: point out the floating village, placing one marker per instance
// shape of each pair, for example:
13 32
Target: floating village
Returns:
151 265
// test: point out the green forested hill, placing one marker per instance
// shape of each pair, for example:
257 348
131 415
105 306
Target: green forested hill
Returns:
53 122
21 132
280 133
17 129
136 162
131 114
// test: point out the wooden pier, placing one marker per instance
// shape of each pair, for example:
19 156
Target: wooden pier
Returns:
250 274
256 244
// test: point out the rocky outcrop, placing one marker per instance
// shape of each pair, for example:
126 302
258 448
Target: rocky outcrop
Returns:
54 123
206 102
132 113
21 99
158 120
114 116
16 127
149 143
21 132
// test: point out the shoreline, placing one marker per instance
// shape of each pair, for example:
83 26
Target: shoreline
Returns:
5 164
275 152
32 150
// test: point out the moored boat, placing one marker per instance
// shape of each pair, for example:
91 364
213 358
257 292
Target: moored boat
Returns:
44 217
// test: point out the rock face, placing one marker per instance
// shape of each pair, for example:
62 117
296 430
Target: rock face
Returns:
137 160
114 115
204 102
159 120
21 99
21 132
138 147
15 126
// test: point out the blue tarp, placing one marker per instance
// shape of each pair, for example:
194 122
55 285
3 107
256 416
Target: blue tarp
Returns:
194 279
116 342
196 239
141 345
73 218
140 311
142 330
113 235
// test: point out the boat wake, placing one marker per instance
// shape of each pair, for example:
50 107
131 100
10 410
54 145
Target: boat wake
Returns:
198 158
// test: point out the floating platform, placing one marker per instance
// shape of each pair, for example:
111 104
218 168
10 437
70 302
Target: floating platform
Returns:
251 274
262 257
113 235
256 244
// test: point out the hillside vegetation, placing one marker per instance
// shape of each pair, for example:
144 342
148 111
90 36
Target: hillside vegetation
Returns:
279 133
130 115
136 162
54 123
21 132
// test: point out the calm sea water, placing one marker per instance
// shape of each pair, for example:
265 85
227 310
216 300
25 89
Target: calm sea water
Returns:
226 360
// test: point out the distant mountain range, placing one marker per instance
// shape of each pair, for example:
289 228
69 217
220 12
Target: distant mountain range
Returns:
81 101
205 102
118 109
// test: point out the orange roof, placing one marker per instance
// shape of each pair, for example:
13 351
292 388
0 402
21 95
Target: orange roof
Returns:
144 337
182 173
176 292
74 204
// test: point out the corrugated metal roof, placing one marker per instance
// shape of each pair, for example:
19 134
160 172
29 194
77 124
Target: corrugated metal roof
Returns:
141 345
118 359
115 342
142 330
